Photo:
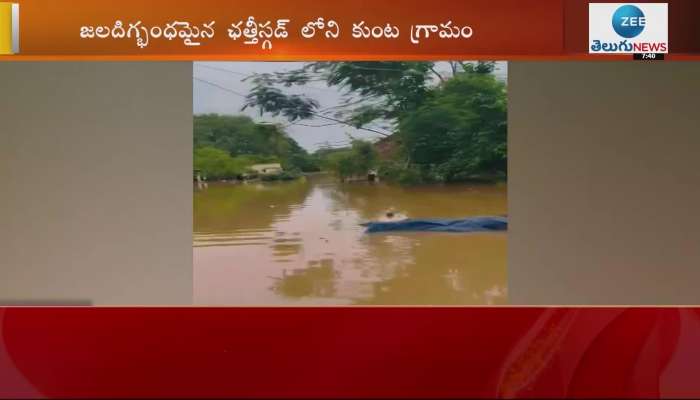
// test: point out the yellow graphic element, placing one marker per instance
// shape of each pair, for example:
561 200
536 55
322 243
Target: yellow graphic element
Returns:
9 28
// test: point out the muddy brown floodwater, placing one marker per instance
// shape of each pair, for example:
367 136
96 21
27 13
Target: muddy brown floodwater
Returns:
301 243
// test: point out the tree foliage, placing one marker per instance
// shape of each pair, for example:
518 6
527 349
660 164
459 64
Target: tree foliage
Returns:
215 163
452 126
358 160
245 142
272 100
461 131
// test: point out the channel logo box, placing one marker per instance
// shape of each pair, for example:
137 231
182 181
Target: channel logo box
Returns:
9 28
628 28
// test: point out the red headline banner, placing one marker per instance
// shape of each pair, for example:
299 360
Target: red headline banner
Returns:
282 29
313 30
350 352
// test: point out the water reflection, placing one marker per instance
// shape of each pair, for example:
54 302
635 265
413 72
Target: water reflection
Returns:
302 243
318 280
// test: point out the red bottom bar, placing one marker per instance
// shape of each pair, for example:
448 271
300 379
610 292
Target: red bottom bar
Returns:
350 352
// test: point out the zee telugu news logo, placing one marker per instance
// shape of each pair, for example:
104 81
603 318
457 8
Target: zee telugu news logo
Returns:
628 28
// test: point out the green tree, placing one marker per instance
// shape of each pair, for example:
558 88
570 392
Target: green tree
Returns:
249 142
215 163
357 161
461 131
451 127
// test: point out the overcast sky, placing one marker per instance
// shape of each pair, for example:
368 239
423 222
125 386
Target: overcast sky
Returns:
214 83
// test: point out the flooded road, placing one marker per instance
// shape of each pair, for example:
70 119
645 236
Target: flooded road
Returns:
301 243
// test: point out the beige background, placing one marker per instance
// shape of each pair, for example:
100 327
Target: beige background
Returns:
604 183
95 165
96 203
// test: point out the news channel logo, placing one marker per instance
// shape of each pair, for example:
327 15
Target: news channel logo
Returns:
627 28
9 28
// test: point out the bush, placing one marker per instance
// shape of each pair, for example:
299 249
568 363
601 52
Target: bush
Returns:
251 142
389 170
461 130
282 176
251 159
215 164
301 162
394 171
355 161
410 176
289 175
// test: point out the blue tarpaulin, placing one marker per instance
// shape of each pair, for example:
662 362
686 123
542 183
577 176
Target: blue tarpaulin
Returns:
472 224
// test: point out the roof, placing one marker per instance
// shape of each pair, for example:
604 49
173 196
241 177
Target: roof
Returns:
263 166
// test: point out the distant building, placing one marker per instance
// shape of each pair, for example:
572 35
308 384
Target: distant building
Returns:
267 169
387 147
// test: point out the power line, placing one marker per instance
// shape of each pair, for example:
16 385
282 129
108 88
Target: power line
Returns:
312 113
348 104
339 141
349 124
223 70
250 74
371 68
319 115
327 146
225 89
311 126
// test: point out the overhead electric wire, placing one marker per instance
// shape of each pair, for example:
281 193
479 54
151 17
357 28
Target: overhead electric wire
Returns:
248 75
312 113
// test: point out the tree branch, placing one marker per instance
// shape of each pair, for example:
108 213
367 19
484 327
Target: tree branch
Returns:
438 74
